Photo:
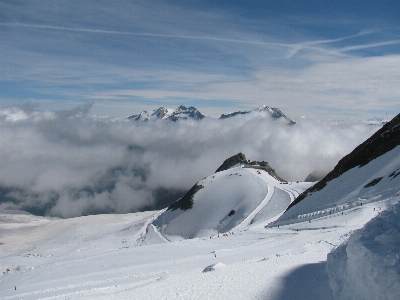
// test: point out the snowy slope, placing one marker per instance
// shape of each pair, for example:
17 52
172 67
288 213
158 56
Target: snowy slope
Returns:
159 113
369 173
147 256
229 200
273 112
355 187
126 256
106 257
367 266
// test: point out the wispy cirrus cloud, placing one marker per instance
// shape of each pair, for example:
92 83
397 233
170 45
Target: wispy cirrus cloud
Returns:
153 51
359 84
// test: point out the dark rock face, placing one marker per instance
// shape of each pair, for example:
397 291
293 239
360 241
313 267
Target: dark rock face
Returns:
241 158
138 117
384 140
231 161
161 112
186 202
223 116
395 174
373 182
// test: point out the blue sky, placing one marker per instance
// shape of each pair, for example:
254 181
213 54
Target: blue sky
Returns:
336 59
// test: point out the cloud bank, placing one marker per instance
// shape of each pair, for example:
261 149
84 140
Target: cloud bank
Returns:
67 164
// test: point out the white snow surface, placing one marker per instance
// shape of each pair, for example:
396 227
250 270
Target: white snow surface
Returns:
155 114
123 257
253 196
368 265
131 257
350 189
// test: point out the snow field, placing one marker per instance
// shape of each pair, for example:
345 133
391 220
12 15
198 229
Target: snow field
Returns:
162 255
368 265
260 263
229 200
351 188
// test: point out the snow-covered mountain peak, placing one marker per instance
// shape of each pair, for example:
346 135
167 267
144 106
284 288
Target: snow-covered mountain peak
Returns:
181 113
184 113
273 112
162 112
143 116
192 113
276 113
159 113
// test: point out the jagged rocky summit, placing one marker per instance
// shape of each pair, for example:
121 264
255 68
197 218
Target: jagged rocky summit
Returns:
162 113
192 113
184 113
240 159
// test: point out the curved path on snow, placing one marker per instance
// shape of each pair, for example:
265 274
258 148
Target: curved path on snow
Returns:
246 222
271 185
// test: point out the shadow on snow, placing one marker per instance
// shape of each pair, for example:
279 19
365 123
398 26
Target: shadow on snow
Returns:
306 282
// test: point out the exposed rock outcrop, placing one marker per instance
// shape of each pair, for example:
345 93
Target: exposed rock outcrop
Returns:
186 202
231 161
384 140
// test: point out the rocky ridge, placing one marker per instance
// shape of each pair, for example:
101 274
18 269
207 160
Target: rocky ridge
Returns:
184 113
162 113
275 113
384 140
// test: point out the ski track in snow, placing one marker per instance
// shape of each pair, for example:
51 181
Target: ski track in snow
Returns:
265 259
268 197
127 257
272 185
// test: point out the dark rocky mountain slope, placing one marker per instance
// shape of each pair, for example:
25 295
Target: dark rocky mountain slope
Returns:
384 140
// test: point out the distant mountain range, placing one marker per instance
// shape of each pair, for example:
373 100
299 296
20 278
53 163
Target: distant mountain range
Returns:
162 113
184 113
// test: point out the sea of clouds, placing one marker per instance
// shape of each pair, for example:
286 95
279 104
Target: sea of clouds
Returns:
68 163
